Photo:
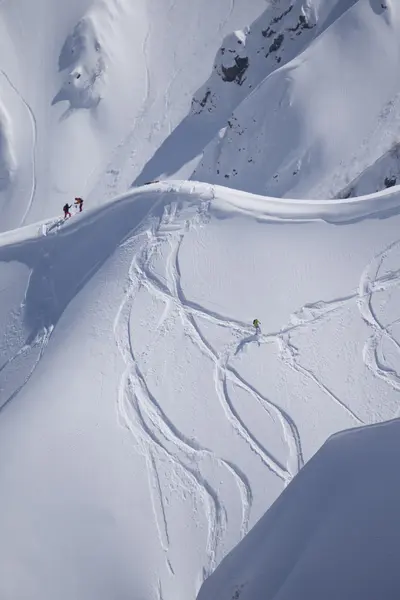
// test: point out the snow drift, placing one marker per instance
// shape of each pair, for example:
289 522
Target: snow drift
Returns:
333 532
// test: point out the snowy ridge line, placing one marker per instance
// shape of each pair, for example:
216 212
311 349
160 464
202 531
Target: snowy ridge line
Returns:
226 201
229 201
295 211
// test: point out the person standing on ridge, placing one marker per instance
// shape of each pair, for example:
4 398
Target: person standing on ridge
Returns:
66 208
79 202
256 325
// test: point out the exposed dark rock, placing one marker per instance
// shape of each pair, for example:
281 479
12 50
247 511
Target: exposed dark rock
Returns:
286 12
390 181
276 44
237 71
206 97
268 32
302 24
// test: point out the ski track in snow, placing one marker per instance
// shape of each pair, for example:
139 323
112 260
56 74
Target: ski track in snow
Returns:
41 341
158 439
224 22
32 120
371 282
140 412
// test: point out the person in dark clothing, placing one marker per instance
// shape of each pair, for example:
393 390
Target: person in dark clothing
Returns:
66 208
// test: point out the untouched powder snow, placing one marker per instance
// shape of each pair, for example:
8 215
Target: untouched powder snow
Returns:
332 534
144 427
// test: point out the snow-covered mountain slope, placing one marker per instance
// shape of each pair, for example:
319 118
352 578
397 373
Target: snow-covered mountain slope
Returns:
90 88
245 58
314 124
144 428
332 534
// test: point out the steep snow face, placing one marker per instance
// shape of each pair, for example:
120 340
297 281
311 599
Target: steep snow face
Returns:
144 427
313 125
90 88
248 56
245 58
332 534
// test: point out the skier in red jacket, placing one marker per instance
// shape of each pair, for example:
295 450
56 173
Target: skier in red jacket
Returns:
79 202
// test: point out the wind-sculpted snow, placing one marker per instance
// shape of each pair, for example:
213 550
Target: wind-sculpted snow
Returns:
220 420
